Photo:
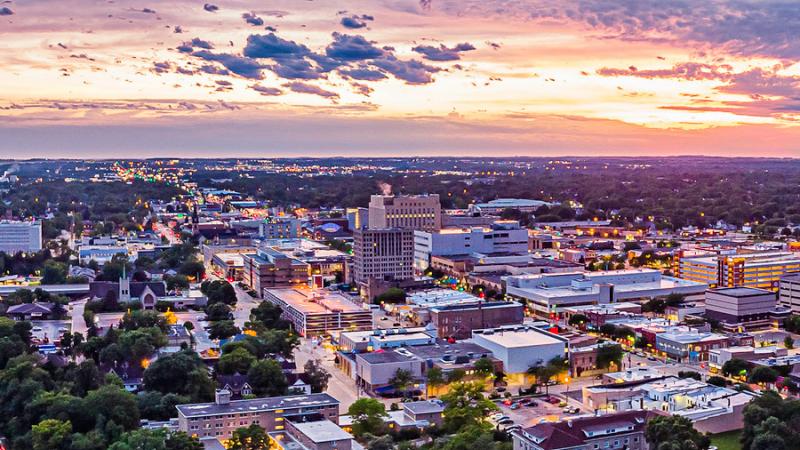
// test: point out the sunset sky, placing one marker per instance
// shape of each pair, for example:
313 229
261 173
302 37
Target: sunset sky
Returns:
84 78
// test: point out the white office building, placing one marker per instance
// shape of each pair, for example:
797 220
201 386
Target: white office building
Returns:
17 236
520 347
412 212
550 293
506 236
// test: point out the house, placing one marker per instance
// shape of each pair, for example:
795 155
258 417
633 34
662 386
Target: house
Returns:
31 311
622 430
236 384
132 375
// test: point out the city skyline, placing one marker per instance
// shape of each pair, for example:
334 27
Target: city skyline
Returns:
398 78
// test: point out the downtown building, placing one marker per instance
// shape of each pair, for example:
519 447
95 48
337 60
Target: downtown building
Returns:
413 212
18 236
761 270
382 254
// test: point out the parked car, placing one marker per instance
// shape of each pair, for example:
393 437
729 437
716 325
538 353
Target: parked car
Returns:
562 404
515 405
553 400
505 421
532 404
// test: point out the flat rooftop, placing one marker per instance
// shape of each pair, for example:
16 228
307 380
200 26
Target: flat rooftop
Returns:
322 431
518 337
315 301
741 291
257 405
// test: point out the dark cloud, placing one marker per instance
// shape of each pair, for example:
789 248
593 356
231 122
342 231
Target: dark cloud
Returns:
493 45
188 47
240 65
266 91
413 72
162 67
295 69
252 19
272 46
303 88
210 7
177 30
362 89
346 47
147 11
356 22
213 70
363 73
6 11
442 52
270 28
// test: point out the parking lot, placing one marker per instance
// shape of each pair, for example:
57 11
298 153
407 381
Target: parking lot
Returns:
532 410
48 330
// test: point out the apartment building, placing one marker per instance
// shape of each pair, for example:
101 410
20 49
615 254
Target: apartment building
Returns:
458 321
222 417
789 292
413 212
18 236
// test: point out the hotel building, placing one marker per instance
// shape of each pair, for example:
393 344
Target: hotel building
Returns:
314 312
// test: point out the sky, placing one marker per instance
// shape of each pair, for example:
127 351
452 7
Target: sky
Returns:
236 78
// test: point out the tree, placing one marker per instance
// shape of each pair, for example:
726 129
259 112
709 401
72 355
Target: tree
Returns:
690 374
735 367
578 320
269 316
402 380
392 295
140 440
465 406
178 440
192 269
607 355
674 433
54 272
182 373
608 329
115 404
484 367
717 381
771 434
51 434
367 414
267 379
435 377
788 342
318 377
219 291
763 374
223 329
218 311
253 437
237 361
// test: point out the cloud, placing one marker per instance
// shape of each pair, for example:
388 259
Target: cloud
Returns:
6 11
303 88
147 11
272 46
362 89
213 70
252 19
266 91
363 73
178 29
188 47
352 48
295 69
442 52
356 22
210 7
162 67
412 72
240 65
687 71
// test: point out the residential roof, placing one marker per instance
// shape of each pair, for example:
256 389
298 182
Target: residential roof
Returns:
575 432
257 405
31 308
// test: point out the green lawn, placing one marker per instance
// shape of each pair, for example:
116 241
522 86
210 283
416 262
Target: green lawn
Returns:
727 441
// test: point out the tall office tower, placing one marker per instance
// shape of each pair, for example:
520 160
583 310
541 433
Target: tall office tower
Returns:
16 236
386 253
414 212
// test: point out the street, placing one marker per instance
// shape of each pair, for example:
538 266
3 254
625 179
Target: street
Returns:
76 313
244 304
340 386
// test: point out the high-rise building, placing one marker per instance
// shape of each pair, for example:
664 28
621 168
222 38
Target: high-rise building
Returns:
386 253
414 212
270 268
16 236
